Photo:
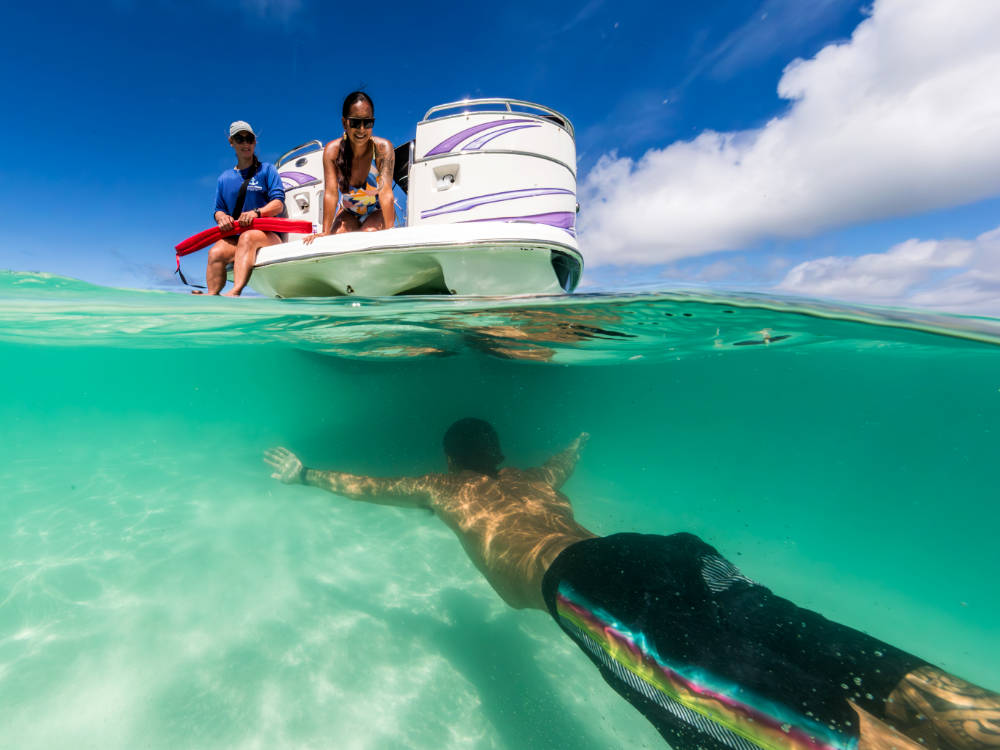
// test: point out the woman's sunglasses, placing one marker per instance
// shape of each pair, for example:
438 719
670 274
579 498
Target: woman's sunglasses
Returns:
360 122
247 138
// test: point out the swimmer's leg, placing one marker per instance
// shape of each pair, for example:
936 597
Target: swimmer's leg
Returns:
717 661
875 734
944 712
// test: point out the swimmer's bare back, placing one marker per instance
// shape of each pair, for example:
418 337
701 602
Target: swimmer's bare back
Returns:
515 523
512 525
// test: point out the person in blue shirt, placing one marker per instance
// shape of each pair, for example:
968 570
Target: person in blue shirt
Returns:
264 196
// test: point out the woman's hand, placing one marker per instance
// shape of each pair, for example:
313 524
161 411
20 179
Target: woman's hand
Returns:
225 222
247 217
289 468
307 240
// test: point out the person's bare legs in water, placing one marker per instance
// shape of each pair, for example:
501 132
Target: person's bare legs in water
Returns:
692 608
245 256
241 251
943 712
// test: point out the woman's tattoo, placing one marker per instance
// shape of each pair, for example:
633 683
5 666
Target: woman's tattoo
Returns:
388 163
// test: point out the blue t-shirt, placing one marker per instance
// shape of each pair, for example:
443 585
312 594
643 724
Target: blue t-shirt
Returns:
262 189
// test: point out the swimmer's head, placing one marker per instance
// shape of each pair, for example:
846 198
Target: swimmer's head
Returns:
473 444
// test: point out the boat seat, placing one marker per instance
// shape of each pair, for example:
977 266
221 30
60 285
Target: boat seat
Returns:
401 173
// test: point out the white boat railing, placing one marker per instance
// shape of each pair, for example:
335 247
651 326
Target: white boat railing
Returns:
508 107
285 157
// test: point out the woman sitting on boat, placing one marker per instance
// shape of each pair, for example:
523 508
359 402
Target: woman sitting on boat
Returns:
358 171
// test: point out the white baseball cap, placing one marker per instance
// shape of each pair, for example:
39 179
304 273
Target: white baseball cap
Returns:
240 126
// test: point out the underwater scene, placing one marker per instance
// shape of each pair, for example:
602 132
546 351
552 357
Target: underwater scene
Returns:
159 589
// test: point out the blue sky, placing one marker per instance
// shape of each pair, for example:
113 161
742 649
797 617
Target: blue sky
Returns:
116 120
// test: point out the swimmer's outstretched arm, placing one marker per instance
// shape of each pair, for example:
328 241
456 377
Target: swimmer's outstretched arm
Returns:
558 469
407 492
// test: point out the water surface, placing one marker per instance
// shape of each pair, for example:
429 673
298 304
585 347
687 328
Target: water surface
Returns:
158 589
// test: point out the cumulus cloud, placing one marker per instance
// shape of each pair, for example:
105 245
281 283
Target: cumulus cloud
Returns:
947 275
902 118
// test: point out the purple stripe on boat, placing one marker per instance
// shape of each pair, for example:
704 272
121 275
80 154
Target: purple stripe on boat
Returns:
297 178
481 200
561 219
484 139
448 145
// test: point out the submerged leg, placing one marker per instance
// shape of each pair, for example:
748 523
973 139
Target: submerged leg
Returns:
945 712
717 661
875 734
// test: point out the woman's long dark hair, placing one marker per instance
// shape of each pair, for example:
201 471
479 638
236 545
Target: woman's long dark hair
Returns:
345 158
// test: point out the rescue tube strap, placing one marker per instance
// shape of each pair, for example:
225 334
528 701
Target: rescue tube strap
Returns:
242 195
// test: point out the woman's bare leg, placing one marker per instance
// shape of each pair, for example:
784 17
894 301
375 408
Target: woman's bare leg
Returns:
250 242
374 222
220 255
345 222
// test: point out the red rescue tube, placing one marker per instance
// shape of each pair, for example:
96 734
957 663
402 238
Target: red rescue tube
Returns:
267 223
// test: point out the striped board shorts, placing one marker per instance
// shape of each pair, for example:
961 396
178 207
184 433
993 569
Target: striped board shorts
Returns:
714 660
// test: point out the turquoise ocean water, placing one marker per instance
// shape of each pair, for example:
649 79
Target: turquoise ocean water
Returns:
159 590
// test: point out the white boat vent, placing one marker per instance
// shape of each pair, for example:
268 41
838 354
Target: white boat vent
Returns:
446 176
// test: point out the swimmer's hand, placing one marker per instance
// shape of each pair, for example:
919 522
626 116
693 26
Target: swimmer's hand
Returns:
289 468
307 240
581 440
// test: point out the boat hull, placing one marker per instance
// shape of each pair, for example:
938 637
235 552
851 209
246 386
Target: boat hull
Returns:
485 258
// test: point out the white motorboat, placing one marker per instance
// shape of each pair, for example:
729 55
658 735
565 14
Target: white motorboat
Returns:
490 210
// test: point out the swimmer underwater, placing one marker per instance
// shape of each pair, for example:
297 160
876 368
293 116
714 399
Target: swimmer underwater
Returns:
713 659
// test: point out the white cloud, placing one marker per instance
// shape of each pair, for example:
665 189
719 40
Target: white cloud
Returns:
902 118
947 275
